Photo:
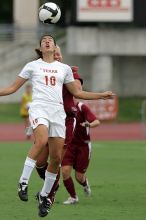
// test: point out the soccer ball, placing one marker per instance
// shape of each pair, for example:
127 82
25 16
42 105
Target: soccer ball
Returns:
49 13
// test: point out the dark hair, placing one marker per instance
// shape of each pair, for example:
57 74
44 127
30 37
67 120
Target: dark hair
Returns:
47 35
39 53
37 50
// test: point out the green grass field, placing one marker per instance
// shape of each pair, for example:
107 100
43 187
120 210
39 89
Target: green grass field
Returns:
117 176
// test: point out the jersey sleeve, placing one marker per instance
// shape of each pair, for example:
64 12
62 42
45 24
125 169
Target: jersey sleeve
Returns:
88 114
26 72
69 75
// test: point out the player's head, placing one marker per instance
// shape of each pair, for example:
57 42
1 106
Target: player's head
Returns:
58 54
28 88
47 44
47 36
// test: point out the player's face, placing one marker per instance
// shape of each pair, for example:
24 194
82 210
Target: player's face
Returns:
47 44
28 89
58 55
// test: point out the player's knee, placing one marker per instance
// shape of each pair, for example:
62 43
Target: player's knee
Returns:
65 172
55 161
79 177
40 143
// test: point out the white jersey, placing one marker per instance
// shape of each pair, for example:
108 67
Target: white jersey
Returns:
47 80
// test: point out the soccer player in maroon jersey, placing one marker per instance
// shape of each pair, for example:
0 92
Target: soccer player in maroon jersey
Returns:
78 153
71 110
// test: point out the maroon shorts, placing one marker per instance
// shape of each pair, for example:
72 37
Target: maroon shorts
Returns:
78 157
69 123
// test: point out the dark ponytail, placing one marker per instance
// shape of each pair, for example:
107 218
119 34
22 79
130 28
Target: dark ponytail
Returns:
39 53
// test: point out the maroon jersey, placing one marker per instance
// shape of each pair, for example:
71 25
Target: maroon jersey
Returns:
79 151
81 134
69 123
69 105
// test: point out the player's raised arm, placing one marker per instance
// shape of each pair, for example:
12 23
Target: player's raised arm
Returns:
77 93
13 87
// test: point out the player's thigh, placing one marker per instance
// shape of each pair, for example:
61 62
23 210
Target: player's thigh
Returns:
41 135
43 157
55 147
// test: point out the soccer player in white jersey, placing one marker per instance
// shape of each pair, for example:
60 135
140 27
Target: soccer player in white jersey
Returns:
47 114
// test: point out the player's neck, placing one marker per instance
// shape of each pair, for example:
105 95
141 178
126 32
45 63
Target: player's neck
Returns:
48 59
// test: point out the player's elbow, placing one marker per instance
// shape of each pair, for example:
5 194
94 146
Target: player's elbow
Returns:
96 123
78 95
12 89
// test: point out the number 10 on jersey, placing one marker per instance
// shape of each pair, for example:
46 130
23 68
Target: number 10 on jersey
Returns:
50 80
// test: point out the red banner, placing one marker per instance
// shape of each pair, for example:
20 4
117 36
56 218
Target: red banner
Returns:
103 109
104 10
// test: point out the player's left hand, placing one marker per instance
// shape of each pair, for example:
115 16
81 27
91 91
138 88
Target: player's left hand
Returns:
85 124
108 95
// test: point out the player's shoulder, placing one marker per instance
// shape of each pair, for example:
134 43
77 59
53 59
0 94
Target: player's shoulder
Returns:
76 74
24 95
33 62
64 65
80 105
66 68
83 106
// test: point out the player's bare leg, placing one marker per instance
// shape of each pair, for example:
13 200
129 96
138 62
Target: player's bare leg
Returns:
41 138
42 162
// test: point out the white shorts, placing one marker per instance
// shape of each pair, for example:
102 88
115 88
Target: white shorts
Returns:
52 118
